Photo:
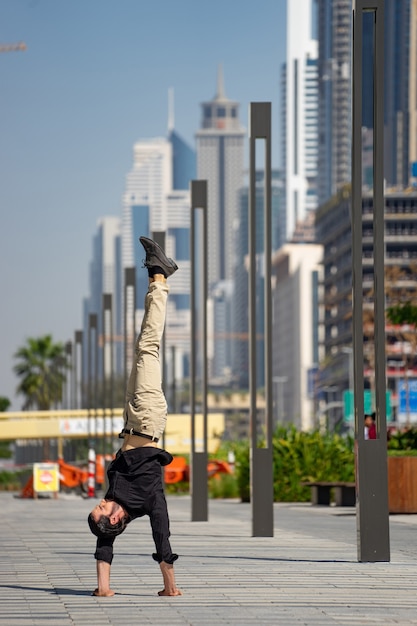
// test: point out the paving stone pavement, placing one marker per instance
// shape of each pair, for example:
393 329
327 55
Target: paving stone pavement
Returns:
307 574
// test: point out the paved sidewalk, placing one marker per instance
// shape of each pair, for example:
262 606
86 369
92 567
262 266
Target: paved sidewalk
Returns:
306 574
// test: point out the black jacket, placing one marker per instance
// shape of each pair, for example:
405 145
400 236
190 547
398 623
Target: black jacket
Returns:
135 482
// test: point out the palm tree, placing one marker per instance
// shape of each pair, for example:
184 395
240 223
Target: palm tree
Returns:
41 368
4 404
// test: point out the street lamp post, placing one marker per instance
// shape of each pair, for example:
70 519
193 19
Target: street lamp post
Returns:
107 367
199 293
78 360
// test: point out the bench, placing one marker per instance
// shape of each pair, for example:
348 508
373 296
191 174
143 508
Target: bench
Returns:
344 492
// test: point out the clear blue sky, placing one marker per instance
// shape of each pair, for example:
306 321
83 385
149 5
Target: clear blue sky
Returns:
93 80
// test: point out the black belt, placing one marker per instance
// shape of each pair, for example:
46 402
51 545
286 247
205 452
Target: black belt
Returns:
130 431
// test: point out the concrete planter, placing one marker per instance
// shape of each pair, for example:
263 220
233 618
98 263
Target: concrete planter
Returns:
402 484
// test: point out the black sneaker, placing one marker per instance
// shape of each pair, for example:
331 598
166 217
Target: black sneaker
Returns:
156 257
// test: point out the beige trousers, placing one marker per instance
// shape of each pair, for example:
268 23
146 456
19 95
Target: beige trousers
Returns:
146 407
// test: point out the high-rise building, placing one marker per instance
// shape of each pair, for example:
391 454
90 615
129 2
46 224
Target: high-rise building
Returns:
183 161
152 204
333 223
240 307
296 339
105 278
300 102
399 31
412 93
334 25
144 202
220 152
334 19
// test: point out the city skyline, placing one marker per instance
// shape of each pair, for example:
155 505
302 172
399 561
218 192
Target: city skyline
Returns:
93 80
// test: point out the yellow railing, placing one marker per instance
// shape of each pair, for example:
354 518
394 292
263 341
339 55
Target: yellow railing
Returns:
78 423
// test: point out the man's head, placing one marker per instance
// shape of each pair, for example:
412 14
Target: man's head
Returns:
108 519
369 419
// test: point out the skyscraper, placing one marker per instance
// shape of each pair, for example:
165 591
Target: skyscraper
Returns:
147 186
240 309
413 90
220 151
152 204
335 94
300 130
399 31
105 278
295 350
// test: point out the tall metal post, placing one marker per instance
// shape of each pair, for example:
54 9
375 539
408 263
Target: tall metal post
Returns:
261 458
92 366
108 367
372 513
78 371
92 400
174 380
68 397
129 317
159 237
199 483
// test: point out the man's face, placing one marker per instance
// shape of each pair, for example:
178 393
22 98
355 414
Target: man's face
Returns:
109 509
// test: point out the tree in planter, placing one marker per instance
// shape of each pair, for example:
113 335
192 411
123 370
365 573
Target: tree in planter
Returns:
41 368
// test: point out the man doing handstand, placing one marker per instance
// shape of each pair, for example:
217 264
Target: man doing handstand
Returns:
135 475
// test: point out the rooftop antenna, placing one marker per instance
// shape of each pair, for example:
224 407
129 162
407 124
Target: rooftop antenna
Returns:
170 109
220 95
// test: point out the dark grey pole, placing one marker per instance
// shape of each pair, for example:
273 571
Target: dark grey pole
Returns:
69 377
107 367
78 376
129 317
92 402
199 483
262 496
372 513
92 375
174 380
159 237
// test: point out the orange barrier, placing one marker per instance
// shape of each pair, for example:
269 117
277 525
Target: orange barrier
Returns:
215 468
28 491
178 470
71 476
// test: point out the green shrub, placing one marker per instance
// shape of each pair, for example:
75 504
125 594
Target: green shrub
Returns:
5 449
10 481
308 456
180 488
402 452
403 440
223 486
242 469
299 457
